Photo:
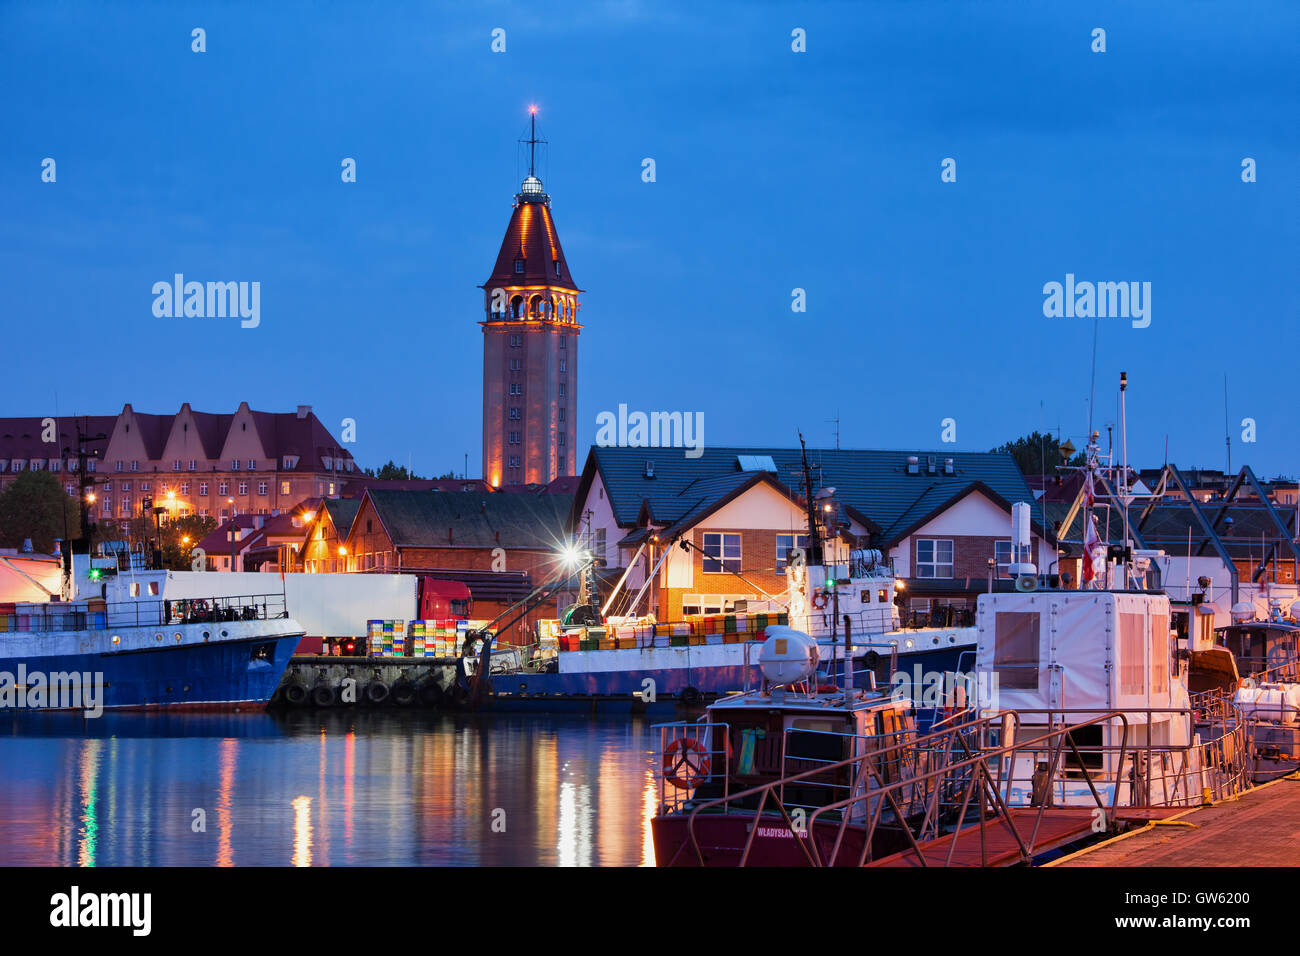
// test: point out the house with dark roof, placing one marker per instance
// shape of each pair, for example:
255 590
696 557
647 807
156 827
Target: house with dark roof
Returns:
326 528
941 518
248 462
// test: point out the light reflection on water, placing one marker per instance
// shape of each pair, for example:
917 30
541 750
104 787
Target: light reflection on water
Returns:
383 788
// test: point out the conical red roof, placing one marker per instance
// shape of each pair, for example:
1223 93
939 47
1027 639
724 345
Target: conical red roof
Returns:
531 238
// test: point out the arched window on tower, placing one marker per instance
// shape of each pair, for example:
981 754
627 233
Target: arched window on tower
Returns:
517 307
535 305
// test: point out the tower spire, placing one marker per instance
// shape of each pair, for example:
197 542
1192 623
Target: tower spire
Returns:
531 189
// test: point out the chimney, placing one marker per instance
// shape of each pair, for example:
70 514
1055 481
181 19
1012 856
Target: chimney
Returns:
304 411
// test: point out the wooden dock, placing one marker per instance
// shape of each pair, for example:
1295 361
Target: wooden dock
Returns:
1259 828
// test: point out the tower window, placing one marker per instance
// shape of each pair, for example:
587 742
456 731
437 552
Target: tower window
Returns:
514 414
561 413
564 365
564 341
516 388
562 390
519 267
556 263
516 341
516 365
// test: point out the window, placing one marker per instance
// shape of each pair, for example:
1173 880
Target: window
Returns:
514 438
243 487
564 341
519 267
108 486
1015 650
560 438
126 486
722 552
119 467
135 466
514 461
223 488
1160 653
146 485
516 388
203 489
193 463
561 413
1002 555
234 465
17 465
784 542
90 465
564 365
556 264
516 365
516 341
185 487
261 487
596 542
56 464
933 558
252 464
176 465
562 390
514 415
284 487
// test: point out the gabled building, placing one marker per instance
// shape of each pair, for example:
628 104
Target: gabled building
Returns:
190 462
943 519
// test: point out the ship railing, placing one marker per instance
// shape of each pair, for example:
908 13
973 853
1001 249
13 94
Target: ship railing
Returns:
99 615
987 767
901 799
696 755
1210 766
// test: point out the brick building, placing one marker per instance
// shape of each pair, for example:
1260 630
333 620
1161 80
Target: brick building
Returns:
501 545
190 462
530 349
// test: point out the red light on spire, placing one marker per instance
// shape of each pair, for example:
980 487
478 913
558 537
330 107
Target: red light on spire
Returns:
532 109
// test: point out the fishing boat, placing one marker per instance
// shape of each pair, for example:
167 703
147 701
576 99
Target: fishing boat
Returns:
112 639
738 785
841 598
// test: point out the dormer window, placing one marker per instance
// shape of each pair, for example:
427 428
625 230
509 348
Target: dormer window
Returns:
556 263
519 267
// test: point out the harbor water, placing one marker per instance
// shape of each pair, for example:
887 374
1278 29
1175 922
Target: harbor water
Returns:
325 788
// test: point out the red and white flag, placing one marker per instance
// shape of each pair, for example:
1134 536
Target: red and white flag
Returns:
1091 545
1089 495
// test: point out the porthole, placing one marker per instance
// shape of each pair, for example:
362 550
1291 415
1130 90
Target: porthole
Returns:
177 635
158 637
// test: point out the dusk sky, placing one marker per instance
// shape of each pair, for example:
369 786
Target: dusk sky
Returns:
775 170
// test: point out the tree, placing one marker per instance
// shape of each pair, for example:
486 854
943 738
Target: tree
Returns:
1038 454
392 472
36 506
180 536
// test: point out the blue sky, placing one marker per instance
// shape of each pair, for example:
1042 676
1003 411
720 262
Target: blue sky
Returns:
775 170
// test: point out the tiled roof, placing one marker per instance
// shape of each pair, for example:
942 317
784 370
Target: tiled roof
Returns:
342 512
531 236
356 487
440 519
21 437
874 484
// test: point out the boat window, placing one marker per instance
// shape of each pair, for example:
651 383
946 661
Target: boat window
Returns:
1132 663
1015 650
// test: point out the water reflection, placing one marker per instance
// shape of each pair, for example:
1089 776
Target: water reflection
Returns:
339 788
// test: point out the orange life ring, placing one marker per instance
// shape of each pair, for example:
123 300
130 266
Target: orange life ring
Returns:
819 600
686 763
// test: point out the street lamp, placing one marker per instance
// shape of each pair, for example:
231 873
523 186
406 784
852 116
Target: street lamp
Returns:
231 502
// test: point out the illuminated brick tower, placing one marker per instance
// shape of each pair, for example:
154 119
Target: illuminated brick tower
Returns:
530 346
